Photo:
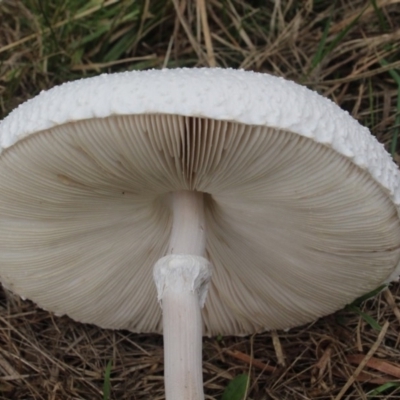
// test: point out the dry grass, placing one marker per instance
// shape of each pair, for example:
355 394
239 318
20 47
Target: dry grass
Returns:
348 51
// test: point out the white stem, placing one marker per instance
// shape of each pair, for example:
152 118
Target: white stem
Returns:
182 283
188 226
182 280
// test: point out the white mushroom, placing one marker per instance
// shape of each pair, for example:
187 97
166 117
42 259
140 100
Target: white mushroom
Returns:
281 196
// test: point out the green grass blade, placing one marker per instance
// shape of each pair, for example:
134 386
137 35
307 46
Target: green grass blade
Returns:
357 302
319 55
49 25
91 37
381 18
355 308
236 389
322 52
343 33
367 318
107 382
383 388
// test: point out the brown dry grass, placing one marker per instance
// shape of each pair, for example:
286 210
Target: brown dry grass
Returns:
42 44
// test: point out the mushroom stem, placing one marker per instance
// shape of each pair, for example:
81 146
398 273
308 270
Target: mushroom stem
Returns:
182 279
188 226
182 285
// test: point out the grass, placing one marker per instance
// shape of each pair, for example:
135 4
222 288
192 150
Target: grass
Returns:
107 382
354 307
396 126
236 389
324 49
349 51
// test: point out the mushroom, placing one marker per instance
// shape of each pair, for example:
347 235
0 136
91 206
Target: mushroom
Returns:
259 203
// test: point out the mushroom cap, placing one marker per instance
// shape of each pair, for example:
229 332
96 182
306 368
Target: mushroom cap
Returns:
301 202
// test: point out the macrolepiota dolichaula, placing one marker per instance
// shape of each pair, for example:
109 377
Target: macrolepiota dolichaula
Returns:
238 201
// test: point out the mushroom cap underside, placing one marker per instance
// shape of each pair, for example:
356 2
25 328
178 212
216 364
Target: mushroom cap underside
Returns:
295 229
